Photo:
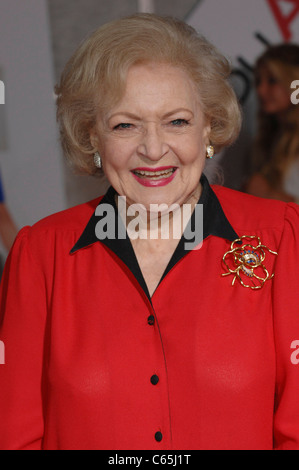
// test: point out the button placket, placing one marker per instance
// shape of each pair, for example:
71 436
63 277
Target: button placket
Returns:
155 379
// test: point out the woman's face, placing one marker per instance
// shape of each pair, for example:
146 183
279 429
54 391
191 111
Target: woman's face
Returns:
153 142
274 98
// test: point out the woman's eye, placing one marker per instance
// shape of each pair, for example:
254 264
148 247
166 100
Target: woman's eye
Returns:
123 125
179 122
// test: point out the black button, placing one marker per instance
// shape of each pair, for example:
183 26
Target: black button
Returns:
158 436
154 379
151 320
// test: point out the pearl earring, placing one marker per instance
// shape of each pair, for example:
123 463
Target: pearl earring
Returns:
210 151
97 160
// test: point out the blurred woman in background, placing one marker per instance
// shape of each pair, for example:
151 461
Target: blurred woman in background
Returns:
276 151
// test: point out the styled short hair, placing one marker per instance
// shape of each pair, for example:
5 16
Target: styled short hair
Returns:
94 79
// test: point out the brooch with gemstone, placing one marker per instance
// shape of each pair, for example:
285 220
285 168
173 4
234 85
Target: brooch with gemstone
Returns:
245 261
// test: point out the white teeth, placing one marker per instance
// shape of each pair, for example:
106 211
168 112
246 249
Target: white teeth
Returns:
155 174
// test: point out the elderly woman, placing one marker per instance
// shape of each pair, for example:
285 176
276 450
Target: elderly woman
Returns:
118 339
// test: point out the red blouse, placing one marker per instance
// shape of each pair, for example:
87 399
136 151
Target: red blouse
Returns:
92 362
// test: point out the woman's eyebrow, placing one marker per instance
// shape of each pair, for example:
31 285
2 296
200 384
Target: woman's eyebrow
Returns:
135 116
178 110
124 113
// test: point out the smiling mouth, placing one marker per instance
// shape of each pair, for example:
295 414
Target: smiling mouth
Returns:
154 175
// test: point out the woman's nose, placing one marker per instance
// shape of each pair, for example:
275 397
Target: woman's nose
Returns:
152 143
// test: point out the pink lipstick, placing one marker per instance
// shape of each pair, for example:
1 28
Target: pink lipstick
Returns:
154 177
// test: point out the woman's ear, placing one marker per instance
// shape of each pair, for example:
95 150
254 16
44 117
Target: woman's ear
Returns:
207 131
94 140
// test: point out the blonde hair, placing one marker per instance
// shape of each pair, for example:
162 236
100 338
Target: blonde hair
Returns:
277 141
94 79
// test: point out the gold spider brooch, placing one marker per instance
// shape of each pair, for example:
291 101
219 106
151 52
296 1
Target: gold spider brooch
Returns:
245 261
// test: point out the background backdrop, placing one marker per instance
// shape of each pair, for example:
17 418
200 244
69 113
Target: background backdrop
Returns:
36 39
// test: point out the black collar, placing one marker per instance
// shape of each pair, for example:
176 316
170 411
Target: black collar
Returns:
214 223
